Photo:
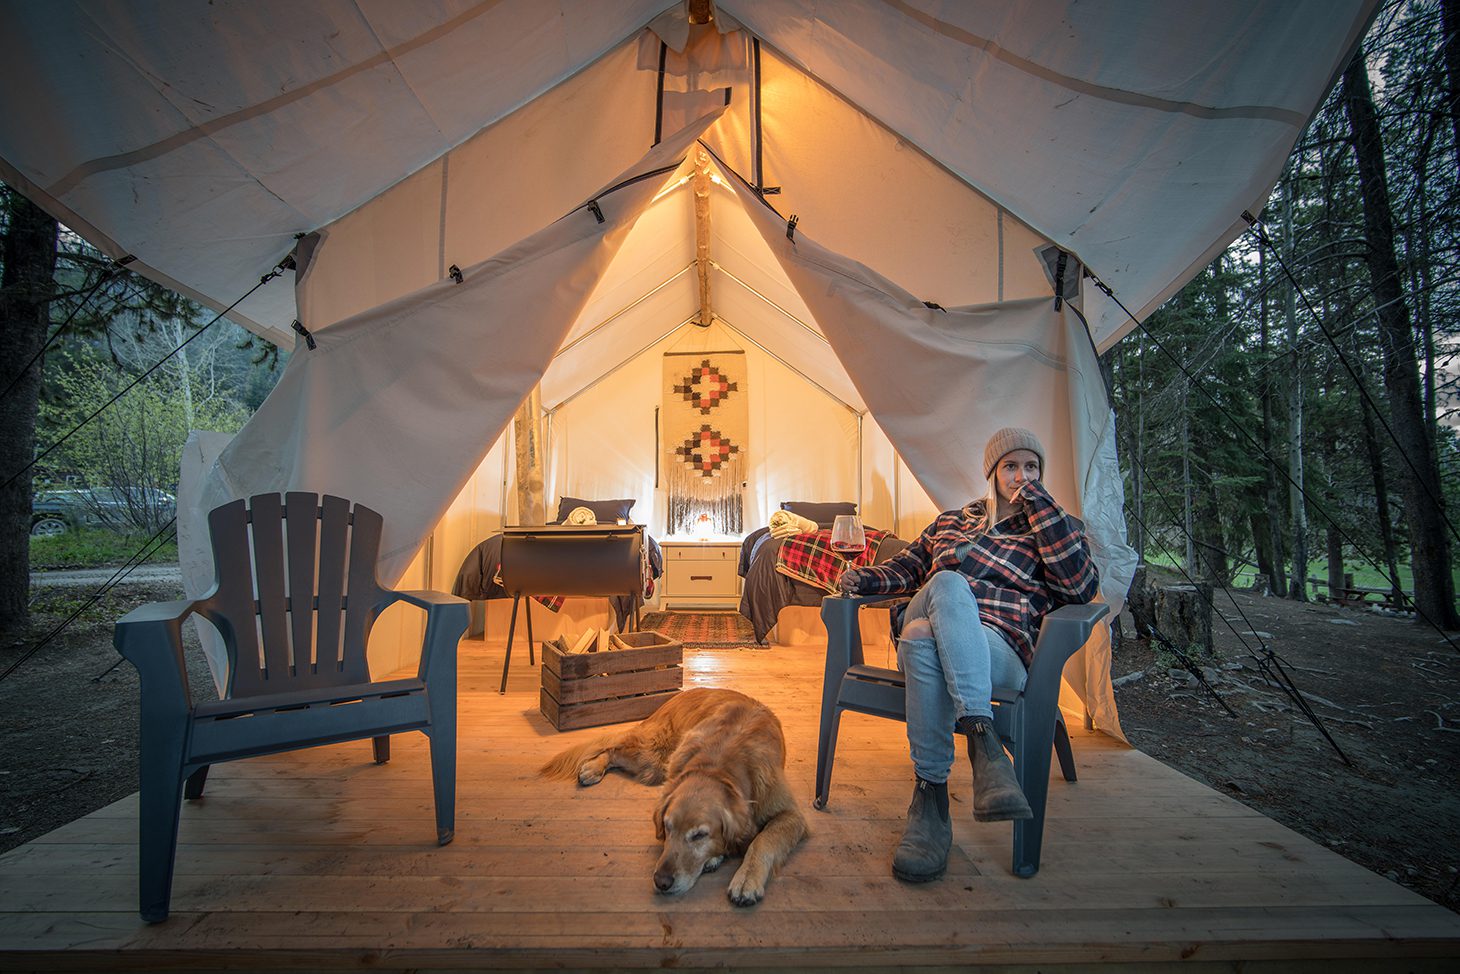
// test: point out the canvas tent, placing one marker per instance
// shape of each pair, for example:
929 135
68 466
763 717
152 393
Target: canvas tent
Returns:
930 153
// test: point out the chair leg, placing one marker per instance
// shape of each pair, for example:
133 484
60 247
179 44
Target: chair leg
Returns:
826 754
193 790
161 806
1062 749
511 632
442 737
381 746
531 648
1032 754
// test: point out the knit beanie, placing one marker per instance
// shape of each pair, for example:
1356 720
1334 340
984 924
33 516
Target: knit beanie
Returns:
1007 440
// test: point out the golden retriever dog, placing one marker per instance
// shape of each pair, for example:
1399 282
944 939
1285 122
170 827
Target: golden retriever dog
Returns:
721 757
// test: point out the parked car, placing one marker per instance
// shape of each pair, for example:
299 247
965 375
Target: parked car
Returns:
56 512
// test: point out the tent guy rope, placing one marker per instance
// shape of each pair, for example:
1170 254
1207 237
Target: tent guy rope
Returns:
141 555
1268 662
285 264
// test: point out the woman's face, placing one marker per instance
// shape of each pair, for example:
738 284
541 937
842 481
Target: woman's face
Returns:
1014 470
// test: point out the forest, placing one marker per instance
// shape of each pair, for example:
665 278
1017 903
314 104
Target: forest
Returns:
1289 417
1287 421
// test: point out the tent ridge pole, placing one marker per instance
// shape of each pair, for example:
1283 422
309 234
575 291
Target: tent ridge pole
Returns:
626 361
829 394
719 267
626 308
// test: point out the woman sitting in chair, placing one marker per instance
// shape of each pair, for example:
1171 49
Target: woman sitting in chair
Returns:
985 577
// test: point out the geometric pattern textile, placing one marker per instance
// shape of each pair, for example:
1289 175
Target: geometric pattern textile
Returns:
703 630
706 424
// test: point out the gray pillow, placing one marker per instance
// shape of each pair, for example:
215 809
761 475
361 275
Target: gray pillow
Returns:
607 512
824 514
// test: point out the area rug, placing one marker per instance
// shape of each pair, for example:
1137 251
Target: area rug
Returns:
704 630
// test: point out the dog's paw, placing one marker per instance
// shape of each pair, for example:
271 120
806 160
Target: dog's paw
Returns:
744 891
589 776
712 864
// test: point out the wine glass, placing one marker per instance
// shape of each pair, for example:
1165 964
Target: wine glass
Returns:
847 536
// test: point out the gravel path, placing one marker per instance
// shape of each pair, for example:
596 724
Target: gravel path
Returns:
97 577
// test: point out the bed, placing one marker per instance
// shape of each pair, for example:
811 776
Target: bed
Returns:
479 576
765 591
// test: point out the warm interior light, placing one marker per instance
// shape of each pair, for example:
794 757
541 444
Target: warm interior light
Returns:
700 11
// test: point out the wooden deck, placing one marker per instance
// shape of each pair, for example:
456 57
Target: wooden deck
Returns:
323 860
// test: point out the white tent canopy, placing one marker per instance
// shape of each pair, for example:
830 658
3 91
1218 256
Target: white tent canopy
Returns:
928 152
201 138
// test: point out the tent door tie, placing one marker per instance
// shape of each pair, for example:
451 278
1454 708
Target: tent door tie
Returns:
1059 280
791 227
298 326
455 273
935 306
596 210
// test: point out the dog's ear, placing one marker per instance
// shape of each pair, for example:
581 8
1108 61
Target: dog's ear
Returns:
659 815
737 824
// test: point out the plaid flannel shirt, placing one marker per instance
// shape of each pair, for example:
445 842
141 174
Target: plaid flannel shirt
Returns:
1031 562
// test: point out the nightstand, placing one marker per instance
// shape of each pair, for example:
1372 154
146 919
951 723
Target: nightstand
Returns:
700 574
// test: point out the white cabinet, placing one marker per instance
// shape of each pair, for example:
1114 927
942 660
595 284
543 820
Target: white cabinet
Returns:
700 574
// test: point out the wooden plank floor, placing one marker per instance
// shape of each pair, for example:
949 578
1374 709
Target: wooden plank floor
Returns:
322 860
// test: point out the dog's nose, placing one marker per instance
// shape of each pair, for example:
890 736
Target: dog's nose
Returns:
663 882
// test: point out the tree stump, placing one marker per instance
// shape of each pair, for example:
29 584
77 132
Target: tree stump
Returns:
1179 611
1184 616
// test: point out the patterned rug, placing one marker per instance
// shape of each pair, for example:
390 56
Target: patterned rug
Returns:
704 630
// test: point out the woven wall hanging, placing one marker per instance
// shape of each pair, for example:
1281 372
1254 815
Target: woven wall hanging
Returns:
706 427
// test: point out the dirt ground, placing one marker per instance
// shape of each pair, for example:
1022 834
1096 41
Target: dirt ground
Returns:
1387 690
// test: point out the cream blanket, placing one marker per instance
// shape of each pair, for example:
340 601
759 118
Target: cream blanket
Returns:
785 524
581 515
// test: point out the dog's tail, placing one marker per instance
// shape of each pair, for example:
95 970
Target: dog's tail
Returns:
565 764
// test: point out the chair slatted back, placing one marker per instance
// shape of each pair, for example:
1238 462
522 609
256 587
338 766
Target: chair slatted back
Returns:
295 594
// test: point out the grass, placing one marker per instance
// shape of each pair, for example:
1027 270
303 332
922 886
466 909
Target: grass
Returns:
93 548
1365 574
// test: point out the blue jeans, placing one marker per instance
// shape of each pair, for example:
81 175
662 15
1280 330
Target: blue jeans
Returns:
953 673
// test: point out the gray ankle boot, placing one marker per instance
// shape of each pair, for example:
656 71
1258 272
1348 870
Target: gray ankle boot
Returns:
997 796
922 855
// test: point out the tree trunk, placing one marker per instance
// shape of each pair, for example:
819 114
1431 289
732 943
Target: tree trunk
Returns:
1211 547
28 249
1298 583
1381 504
1273 519
1262 549
1138 480
1186 501
1450 24
1334 535
1335 562
1434 593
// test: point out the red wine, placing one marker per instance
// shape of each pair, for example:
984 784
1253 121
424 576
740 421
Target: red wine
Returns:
842 546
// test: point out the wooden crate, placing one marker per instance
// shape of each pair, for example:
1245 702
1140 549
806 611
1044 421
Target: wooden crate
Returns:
588 689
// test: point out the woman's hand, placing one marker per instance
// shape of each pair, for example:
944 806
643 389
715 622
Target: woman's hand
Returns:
849 582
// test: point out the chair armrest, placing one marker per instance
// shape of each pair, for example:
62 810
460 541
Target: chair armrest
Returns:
447 617
1063 632
427 599
150 638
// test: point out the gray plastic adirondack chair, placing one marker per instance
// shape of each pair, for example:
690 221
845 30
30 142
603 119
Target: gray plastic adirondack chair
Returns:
281 696
1029 721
